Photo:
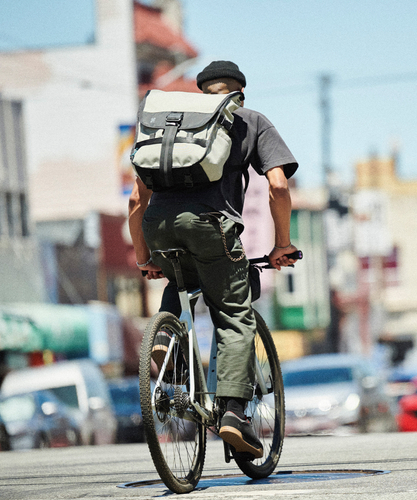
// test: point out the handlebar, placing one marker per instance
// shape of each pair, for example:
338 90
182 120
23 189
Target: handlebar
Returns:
297 255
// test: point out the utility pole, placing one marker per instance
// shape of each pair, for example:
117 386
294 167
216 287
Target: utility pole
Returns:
332 334
325 83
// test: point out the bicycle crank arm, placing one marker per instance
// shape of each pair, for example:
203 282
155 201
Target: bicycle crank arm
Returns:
203 413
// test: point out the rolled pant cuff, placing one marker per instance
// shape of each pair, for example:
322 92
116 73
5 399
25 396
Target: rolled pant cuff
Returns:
234 390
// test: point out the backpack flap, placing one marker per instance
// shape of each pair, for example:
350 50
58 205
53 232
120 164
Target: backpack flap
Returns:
182 138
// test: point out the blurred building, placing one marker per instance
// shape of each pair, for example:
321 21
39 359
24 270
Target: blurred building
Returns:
301 295
20 269
80 105
385 240
373 270
162 52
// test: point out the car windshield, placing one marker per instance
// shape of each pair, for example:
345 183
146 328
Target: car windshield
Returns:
317 376
67 394
17 408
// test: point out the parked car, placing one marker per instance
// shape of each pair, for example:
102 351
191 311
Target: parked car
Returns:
126 401
38 420
328 391
407 414
81 386
4 437
400 382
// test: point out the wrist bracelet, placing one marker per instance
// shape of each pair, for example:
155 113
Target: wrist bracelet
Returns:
282 248
146 263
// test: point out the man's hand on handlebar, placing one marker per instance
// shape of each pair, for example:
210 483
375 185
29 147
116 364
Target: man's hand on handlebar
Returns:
152 272
279 257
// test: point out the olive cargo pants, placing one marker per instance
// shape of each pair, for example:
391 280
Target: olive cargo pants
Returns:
224 283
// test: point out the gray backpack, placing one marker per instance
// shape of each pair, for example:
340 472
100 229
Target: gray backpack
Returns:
182 138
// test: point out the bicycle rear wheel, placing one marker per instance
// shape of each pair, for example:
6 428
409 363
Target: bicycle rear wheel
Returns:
267 412
176 441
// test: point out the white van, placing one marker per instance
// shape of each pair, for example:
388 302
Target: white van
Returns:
81 386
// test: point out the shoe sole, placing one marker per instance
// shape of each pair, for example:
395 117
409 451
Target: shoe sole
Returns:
234 437
158 355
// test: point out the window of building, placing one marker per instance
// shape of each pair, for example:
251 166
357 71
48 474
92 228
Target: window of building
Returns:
10 214
24 222
14 218
145 73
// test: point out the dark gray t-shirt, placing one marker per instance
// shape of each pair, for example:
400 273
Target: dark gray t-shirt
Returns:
255 142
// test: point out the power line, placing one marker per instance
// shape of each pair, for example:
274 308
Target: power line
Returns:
363 81
378 80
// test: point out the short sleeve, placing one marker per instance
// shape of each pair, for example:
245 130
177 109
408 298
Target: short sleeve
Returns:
271 150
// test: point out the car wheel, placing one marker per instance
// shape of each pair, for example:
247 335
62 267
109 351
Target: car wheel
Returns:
43 442
4 439
364 420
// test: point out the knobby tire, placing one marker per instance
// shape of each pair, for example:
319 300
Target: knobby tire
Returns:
267 412
177 445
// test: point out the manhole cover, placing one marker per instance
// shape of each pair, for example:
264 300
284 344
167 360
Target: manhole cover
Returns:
277 478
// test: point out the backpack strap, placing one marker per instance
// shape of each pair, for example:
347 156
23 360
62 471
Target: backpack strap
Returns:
172 124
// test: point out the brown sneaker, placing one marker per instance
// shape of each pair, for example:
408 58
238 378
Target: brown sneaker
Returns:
239 434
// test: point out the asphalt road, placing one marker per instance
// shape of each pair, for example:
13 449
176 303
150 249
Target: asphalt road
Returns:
373 466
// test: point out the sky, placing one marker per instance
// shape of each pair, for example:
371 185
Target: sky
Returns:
284 47
32 24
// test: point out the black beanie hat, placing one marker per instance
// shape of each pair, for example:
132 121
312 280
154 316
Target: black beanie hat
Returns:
220 69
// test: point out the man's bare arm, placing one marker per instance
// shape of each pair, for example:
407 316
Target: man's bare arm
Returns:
280 206
138 203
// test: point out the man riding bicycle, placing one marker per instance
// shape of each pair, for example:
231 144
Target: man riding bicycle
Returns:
207 221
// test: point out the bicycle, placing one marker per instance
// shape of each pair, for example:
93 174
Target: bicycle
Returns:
179 407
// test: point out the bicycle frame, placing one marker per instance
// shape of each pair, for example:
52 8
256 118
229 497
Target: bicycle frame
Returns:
182 405
209 387
205 410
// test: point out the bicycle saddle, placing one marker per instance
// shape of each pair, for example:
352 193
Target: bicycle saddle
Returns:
171 253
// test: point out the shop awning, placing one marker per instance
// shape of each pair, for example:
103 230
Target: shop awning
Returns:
34 327
19 333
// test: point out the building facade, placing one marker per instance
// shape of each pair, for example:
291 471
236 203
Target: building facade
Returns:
386 239
20 270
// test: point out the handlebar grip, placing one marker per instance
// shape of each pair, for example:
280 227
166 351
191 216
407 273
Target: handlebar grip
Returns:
144 273
298 254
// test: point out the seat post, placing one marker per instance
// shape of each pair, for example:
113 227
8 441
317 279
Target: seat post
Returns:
178 273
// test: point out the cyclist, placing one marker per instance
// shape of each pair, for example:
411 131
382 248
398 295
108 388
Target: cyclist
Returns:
207 221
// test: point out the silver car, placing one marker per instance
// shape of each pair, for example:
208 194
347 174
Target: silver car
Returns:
326 392
38 420
81 386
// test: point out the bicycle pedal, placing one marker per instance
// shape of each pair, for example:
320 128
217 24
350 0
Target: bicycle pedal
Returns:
227 453
243 456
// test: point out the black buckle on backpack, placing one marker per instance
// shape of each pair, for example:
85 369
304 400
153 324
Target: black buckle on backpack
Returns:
224 122
174 118
148 181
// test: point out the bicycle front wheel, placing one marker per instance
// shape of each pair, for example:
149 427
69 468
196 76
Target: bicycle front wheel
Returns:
266 411
176 441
